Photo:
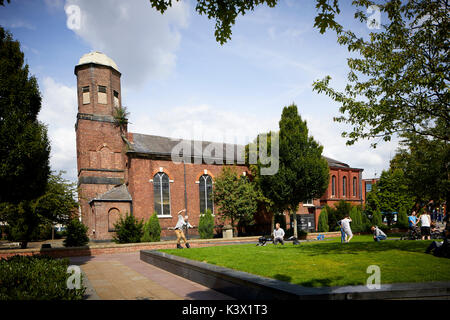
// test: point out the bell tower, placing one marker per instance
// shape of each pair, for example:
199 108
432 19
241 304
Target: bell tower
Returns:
101 158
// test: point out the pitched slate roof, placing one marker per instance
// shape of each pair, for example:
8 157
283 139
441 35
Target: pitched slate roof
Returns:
336 163
118 193
157 145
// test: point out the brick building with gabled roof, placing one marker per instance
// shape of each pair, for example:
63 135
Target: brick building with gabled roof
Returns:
122 172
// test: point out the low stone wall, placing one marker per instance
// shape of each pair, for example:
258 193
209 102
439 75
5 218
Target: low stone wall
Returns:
111 248
246 286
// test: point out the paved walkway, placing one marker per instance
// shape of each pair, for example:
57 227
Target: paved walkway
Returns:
125 277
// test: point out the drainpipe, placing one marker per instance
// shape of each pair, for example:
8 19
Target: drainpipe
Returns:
360 187
185 199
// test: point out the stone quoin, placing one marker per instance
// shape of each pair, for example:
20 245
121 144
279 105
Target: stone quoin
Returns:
122 172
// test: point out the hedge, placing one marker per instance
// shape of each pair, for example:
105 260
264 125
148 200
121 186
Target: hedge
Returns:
36 278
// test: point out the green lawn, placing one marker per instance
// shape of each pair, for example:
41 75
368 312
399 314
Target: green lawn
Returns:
329 263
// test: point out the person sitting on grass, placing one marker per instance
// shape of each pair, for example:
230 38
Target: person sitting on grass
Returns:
440 249
378 235
278 234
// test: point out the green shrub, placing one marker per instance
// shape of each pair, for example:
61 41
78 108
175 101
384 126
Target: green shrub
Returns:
152 230
323 221
36 278
366 224
128 229
76 234
341 210
355 215
377 219
402 219
206 225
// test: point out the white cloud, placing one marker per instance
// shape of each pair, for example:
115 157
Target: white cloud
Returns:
358 155
15 24
142 41
202 122
208 123
59 109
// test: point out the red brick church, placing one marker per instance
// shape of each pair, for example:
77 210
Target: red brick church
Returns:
121 171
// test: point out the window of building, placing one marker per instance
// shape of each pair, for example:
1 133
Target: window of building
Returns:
116 99
205 192
308 203
86 96
102 95
368 187
333 186
161 191
354 186
344 186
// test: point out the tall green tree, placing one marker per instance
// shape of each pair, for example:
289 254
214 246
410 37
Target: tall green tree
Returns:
372 202
398 81
392 191
24 148
425 164
303 173
236 198
56 205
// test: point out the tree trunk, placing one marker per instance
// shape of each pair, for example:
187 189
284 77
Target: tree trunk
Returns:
272 224
23 244
294 216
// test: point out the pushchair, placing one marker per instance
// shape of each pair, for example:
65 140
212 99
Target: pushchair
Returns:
412 234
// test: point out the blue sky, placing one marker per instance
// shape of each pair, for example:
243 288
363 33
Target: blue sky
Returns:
177 81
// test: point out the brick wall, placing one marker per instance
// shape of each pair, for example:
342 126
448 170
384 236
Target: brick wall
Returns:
141 171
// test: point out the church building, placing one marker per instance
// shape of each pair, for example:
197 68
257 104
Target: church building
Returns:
122 172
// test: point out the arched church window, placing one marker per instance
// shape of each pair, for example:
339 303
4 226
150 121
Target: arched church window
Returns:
161 189
344 186
205 191
354 186
333 186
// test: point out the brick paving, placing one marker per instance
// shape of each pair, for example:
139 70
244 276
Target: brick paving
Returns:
125 277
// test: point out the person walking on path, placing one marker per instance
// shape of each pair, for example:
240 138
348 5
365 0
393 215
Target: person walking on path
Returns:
346 227
181 223
378 234
278 234
425 224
